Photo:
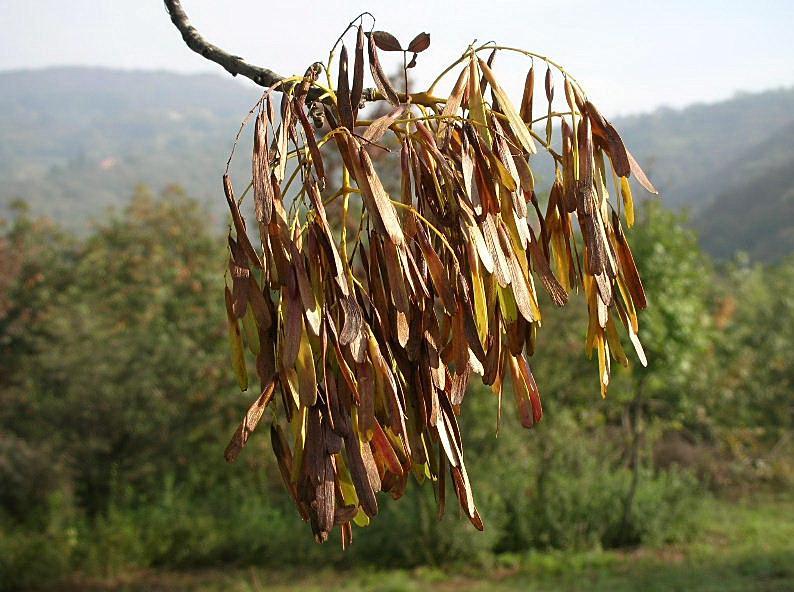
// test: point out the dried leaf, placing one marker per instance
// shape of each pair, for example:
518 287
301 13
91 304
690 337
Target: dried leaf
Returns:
454 101
383 206
528 96
249 423
263 190
239 223
304 366
236 341
380 126
343 101
357 88
386 41
381 80
639 174
516 123
425 298
419 43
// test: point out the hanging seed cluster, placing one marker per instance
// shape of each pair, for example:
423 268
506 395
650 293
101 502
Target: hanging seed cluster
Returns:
365 333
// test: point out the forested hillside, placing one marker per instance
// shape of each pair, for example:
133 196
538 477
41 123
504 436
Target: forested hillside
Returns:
698 153
755 213
74 141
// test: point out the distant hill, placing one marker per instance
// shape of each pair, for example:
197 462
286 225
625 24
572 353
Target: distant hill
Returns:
74 141
756 213
697 153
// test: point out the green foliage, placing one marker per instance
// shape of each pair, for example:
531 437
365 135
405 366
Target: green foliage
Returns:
126 352
744 546
117 399
757 317
578 502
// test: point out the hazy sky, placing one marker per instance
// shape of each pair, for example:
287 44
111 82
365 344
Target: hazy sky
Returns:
631 56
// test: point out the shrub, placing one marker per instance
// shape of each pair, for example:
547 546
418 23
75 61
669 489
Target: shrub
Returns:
577 492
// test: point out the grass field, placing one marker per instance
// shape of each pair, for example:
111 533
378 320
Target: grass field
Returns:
743 546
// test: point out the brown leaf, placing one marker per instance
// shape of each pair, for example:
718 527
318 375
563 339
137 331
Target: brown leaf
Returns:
236 342
370 467
437 273
553 287
463 490
259 305
311 140
384 209
532 388
528 96
344 368
549 85
639 174
519 283
353 320
391 261
419 43
358 72
454 101
516 123
307 377
327 242
359 474
500 259
631 276
609 140
284 459
239 223
260 163
249 423
381 80
292 327
343 100
380 126
240 285
383 450
365 378
386 41
459 383
493 358
525 390
345 514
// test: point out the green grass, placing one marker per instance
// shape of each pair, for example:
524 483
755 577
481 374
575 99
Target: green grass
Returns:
747 545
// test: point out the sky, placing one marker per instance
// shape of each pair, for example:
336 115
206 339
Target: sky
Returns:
630 56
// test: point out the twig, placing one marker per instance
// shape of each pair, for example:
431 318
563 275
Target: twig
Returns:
233 64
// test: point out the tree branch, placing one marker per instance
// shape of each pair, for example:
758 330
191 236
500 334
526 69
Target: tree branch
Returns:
234 65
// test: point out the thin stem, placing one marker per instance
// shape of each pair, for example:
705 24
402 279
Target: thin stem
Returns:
405 71
245 192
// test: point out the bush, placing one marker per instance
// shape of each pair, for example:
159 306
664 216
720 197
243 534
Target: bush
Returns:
572 496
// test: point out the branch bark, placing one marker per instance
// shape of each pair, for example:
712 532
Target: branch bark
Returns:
234 65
